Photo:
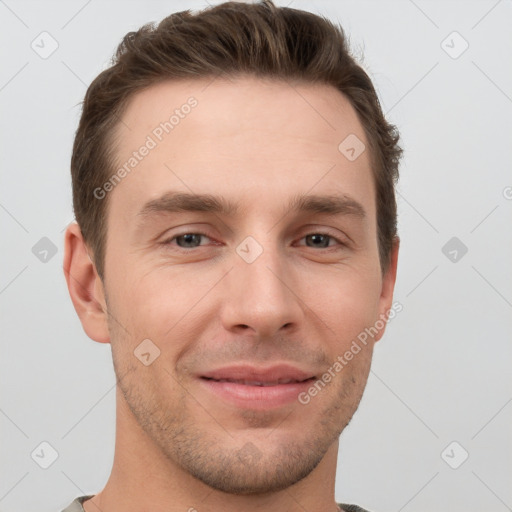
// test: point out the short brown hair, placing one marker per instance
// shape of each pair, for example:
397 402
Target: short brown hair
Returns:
232 38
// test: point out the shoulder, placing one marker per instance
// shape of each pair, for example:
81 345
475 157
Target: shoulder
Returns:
76 504
351 508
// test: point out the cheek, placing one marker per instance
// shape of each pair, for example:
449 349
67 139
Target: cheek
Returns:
161 302
348 302
164 304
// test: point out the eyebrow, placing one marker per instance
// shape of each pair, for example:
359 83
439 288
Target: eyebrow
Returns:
175 202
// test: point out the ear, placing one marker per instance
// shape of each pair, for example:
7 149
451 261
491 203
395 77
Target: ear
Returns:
85 286
388 286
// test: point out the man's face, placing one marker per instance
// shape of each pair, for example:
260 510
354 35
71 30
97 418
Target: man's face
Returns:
229 313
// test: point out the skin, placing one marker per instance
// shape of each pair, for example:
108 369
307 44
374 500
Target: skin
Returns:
259 142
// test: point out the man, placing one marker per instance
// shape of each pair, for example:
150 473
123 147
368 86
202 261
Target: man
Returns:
233 186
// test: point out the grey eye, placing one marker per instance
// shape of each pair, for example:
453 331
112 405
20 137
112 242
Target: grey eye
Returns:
189 240
318 240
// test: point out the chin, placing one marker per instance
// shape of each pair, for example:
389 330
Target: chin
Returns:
258 467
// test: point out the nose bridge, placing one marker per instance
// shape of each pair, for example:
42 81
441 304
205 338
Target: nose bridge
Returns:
259 288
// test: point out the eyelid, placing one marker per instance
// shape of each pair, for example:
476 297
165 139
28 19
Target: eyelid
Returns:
167 241
324 232
319 229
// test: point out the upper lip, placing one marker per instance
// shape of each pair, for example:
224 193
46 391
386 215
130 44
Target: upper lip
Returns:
273 374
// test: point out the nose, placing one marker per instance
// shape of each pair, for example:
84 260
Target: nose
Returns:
262 297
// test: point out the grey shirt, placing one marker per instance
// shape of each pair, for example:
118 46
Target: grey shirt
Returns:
76 505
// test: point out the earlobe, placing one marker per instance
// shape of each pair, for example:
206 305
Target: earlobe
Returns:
85 286
388 286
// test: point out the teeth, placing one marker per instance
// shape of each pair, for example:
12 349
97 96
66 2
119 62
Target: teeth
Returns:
258 383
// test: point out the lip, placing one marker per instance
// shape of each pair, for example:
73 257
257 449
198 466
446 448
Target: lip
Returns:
250 387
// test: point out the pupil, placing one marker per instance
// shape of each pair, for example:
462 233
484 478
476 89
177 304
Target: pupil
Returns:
317 237
189 238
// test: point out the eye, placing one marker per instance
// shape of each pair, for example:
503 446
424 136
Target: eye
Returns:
321 240
193 240
186 240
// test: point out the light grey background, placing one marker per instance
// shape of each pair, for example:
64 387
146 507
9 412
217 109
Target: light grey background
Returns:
442 371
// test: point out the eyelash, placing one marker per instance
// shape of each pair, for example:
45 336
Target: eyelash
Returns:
167 243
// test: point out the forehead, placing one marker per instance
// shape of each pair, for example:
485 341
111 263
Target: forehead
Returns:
227 107
245 138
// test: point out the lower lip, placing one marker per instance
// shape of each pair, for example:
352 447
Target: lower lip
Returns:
257 397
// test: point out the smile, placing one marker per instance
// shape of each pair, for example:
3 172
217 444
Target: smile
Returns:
249 387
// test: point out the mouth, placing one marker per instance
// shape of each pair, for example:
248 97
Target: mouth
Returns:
249 387
245 382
